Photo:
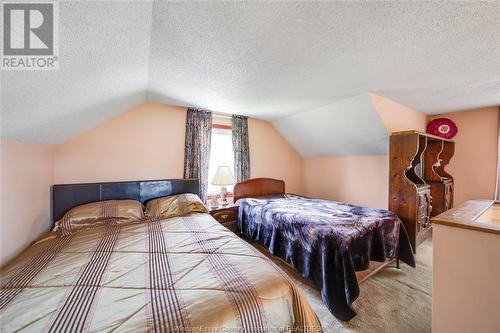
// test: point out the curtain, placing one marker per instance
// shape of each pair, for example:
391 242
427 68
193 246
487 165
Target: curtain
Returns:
241 148
197 149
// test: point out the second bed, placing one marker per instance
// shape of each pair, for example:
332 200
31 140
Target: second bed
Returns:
326 241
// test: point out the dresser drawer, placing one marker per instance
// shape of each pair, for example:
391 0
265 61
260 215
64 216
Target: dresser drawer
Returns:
225 216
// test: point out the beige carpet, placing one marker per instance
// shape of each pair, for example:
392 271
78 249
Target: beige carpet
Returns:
394 300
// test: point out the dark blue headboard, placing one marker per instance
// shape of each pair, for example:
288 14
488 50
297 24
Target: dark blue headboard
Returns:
67 196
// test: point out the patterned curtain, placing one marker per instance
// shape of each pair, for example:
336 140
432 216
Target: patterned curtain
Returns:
241 148
197 151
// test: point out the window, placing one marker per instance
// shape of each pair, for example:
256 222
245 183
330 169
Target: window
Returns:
221 153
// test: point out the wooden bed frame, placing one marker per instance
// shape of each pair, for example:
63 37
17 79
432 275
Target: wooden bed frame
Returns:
258 187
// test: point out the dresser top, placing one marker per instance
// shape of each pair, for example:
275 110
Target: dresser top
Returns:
220 207
478 215
421 133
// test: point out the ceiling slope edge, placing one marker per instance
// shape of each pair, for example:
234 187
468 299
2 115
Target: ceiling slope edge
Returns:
397 117
349 127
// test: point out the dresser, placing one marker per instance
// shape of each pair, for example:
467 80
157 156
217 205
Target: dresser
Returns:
466 268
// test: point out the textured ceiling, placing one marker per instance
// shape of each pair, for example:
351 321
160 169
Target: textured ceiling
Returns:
269 60
103 52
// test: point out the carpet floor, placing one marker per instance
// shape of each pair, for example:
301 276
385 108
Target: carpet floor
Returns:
393 300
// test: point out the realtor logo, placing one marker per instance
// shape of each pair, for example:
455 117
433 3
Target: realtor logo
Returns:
30 35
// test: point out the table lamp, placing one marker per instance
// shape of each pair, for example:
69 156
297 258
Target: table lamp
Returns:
223 176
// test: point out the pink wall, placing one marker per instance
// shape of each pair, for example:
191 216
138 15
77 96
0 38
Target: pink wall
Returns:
271 156
147 142
27 172
397 117
361 180
474 165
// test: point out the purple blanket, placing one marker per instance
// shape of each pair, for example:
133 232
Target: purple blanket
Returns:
326 241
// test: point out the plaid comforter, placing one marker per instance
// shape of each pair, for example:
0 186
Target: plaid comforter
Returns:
183 274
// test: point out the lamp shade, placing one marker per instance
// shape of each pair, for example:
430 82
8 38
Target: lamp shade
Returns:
223 176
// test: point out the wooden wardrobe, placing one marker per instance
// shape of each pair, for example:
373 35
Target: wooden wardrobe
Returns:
419 186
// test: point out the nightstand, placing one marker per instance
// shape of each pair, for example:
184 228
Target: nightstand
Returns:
225 215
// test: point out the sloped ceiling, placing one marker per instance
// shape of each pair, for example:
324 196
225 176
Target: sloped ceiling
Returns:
103 52
269 60
334 129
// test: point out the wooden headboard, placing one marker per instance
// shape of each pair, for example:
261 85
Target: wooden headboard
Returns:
257 187
67 196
